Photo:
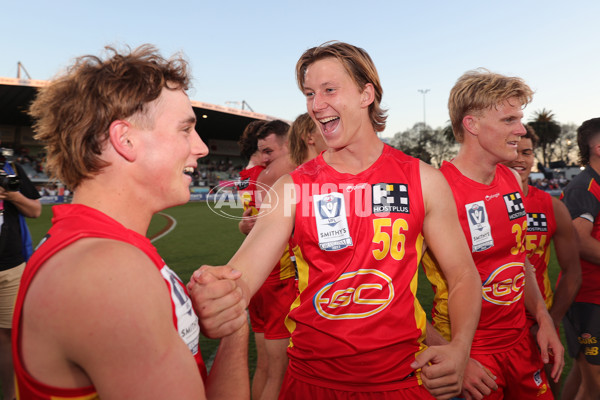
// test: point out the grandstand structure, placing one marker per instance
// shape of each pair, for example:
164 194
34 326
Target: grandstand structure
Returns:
219 126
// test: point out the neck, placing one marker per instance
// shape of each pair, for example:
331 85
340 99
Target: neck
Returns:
525 187
115 202
474 167
355 157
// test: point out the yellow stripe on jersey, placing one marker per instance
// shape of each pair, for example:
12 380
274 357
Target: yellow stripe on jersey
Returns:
93 396
440 301
420 315
303 273
287 268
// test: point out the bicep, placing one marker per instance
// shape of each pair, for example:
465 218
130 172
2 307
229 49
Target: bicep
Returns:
441 227
127 343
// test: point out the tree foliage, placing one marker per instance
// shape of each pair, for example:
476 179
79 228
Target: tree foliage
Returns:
548 130
429 145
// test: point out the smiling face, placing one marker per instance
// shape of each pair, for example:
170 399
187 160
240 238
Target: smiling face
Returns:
499 130
169 148
335 103
271 148
524 161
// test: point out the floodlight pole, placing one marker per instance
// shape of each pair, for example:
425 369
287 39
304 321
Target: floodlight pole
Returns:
22 67
424 92
242 103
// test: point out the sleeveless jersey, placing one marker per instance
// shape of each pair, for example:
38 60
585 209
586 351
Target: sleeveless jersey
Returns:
357 324
247 190
246 187
582 196
541 226
494 222
70 223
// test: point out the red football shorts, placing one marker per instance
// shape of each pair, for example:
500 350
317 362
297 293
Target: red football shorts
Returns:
269 307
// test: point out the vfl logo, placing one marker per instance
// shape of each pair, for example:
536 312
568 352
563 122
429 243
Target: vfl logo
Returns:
479 226
537 222
331 221
477 216
514 205
329 208
355 295
504 286
390 198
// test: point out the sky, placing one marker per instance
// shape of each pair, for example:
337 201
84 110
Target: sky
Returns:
247 50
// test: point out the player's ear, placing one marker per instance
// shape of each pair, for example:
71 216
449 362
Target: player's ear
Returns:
595 150
471 124
368 95
119 134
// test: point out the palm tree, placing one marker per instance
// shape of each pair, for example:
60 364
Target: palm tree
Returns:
547 129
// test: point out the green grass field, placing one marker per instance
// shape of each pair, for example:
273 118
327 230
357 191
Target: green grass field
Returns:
202 237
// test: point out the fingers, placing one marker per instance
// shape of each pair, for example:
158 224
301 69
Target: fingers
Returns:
220 307
218 300
478 381
206 273
438 372
559 363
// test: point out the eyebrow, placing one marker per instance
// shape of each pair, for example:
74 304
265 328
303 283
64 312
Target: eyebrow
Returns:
324 84
189 120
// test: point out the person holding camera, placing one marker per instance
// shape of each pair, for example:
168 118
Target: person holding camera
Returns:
18 199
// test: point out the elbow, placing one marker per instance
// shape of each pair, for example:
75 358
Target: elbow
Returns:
35 211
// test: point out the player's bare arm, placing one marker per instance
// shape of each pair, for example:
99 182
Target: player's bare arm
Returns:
567 253
444 376
101 289
230 365
547 338
215 294
589 248
478 381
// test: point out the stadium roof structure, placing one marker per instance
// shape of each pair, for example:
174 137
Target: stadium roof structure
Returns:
214 122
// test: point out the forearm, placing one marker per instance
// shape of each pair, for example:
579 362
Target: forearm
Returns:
565 293
229 377
433 337
28 207
534 302
464 308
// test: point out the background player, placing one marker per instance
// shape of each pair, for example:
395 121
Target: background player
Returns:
582 321
548 221
99 314
246 185
486 112
357 328
305 140
270 305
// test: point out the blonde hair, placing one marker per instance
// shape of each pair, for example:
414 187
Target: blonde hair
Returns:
358 65
298 135
479 90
